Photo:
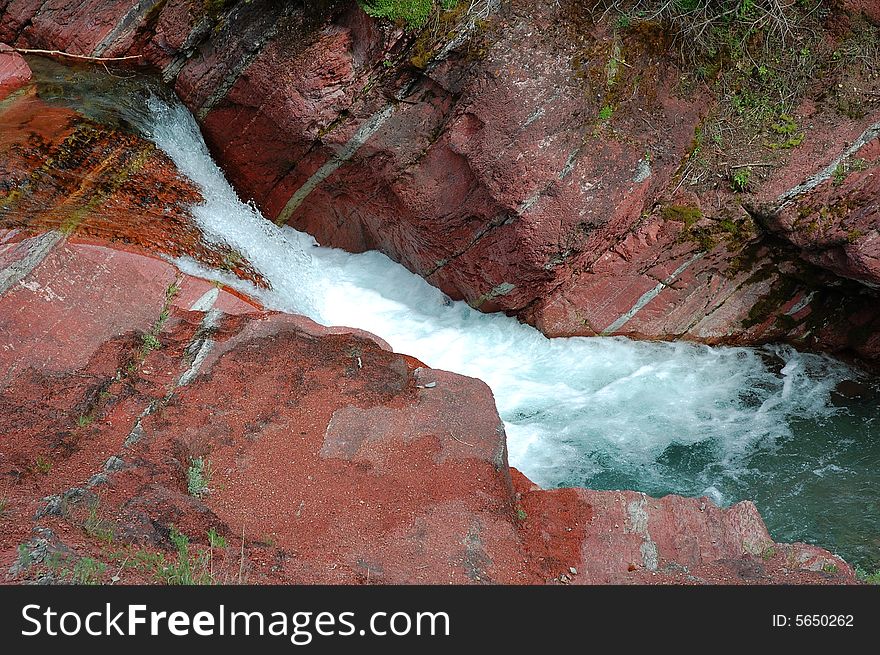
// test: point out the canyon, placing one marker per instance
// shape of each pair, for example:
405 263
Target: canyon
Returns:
474 163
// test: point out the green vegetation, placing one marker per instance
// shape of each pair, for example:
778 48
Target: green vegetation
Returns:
198 476
86 571
97 527
845 168
25 559
760 59
787 130
683 214
411 13
216 7
187 568
739 181
150 340
736 231
854 235
215 540
521 514
868 578
605 113
43 465
64 567
83 420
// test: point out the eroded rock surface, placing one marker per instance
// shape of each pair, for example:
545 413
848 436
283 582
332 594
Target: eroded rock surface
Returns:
335 459
137 402
530 159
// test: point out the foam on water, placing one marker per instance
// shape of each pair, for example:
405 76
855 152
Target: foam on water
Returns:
600 412
575 404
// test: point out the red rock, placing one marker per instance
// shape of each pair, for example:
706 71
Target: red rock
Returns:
57 168
333 458
14 71
72 26
338 460
495 177
623 537
836 223
868 8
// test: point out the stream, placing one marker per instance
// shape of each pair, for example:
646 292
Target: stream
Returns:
797 433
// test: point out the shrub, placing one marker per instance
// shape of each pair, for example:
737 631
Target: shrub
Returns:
198 476
412 13
86 571
866 577
97 527
740 179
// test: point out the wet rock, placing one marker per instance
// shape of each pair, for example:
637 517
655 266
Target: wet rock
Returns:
494 171
391 482
14 71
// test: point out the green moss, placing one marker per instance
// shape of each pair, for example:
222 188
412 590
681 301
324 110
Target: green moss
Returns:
430 41
745 260
736 231
214 8
767 306
682 213
854 235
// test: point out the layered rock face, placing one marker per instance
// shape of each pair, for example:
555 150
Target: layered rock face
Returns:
63 172
526 158
139 405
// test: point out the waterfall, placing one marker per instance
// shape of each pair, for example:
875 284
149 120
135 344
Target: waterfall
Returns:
601 412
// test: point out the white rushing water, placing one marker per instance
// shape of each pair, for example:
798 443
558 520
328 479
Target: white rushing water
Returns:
576 409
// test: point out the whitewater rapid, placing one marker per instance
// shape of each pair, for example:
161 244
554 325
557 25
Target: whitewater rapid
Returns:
767 424
576 410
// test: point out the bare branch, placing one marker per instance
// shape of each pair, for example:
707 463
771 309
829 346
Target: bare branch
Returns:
70 55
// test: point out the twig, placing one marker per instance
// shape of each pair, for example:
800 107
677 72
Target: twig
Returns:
116 578
59 53
460 441
762 164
